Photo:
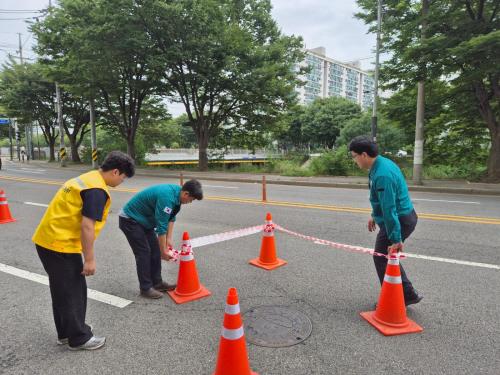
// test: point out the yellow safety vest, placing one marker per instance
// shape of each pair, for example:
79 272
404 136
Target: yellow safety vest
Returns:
60 228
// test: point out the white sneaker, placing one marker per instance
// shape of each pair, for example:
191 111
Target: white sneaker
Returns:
93 344
64 341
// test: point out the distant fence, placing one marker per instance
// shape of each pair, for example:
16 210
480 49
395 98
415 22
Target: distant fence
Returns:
195 162
190 157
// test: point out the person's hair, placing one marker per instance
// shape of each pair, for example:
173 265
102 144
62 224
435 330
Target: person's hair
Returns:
193 187
119 160
362 144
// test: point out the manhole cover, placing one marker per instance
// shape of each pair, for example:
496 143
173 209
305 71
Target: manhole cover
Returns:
276 326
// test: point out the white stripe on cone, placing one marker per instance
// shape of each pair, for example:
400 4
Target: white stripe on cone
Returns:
232 334
232 309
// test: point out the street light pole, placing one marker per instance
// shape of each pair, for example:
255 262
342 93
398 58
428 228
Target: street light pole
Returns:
377 66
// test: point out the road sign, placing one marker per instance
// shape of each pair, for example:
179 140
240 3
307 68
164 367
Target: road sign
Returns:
4 121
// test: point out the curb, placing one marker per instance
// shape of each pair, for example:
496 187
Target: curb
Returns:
344 185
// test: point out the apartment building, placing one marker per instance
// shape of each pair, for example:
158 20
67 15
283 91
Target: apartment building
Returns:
328 77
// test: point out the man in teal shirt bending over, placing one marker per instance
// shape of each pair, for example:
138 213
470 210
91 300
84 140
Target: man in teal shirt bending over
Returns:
147 220
392 209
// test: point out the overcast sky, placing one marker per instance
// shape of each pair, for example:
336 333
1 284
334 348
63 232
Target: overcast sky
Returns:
327 23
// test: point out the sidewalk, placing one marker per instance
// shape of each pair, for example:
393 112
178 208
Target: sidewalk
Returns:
438 186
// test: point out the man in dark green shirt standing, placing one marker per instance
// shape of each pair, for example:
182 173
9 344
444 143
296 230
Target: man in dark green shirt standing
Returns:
392 209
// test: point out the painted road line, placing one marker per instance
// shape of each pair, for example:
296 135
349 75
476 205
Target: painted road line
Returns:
453 261
439 217
36 204
442 200
41 279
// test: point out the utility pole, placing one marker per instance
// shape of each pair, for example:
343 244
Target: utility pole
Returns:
93 134
27 133
17 134
10 140
38 140
62 149
20 48
377 67
418 156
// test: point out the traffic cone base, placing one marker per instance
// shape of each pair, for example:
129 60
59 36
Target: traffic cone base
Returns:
181 298
5 215
5 221
391 329
268 266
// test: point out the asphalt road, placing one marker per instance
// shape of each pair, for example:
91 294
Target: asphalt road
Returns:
459 313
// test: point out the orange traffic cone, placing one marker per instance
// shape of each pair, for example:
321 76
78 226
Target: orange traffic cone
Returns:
5 216
390 316
233 357
267 258
188 285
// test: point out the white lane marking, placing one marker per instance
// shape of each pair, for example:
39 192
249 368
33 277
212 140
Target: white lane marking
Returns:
442 200
37 204
454 261
23 170
92 294
34 170
220 186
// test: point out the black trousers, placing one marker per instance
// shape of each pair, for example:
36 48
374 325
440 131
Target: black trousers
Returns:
68 289
408 224
144 244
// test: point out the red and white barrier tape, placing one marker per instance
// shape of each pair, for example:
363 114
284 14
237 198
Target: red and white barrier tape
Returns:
225 236
268 228
341 246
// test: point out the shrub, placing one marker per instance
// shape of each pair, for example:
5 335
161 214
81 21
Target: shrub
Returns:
334 163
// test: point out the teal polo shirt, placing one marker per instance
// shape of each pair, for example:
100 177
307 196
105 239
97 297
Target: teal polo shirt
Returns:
389 196
155 206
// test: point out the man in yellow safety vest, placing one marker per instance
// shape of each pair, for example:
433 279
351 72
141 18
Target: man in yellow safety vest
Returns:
72 222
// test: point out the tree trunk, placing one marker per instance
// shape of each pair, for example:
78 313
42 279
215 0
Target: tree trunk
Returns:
494 157
74 150
52 152
131 147
488 115
203 148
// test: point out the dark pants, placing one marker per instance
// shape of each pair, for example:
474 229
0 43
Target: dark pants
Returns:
408 224
68 289
144 244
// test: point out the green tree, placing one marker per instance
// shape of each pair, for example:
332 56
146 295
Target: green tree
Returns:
76 118
290 132
100 47
324 118
400 107
461 48
389 137
226 61
27 95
